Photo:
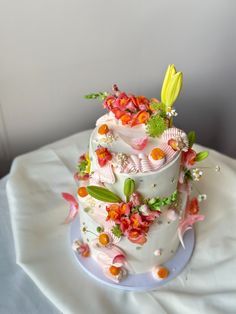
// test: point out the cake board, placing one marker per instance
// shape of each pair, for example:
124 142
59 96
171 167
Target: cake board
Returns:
136 282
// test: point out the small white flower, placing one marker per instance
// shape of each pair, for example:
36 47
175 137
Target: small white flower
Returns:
144 209
202 197
197 174
171 113
108 139
217 168
174 113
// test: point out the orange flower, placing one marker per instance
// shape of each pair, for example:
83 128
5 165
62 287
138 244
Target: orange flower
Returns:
136 220
142 100
193 206
143 117
113 212
125 118
109 102
103 155
137 236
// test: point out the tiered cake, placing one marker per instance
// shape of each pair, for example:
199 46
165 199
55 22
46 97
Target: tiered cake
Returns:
134 184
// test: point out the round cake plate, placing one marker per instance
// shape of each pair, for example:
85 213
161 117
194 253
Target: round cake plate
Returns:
136 282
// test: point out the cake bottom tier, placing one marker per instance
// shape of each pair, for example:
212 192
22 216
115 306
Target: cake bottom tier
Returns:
162 242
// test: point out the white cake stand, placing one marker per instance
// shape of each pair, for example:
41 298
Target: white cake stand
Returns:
136 282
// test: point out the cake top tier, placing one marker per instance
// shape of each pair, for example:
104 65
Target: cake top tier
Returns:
137 133
130 110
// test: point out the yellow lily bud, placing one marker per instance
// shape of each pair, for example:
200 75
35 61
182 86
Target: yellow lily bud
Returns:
173 89
170 72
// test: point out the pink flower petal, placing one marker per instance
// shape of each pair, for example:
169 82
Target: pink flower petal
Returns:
70 198
139 143
119 260
74 207
186 224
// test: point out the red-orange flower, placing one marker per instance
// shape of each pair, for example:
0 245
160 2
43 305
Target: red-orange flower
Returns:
131 110
143 102
125 118
103 155
125 224
84 250
121 101
189 158
193 206
143 117
137 236
113 212
109 102
136 220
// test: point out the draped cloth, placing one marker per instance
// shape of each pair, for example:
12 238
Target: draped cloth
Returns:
207 284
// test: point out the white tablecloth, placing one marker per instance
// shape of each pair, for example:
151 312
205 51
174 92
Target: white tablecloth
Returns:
207 285
18 293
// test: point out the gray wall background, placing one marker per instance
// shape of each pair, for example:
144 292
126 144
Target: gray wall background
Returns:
52 52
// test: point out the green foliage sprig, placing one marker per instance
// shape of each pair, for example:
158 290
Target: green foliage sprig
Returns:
81 167
99 95
117 231
157 203
156 125
157 106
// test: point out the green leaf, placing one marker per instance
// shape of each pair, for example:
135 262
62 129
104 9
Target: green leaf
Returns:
103 194
129 186
191 138
173 89
170 72
202 155
156 125
157 106
99 95
117 231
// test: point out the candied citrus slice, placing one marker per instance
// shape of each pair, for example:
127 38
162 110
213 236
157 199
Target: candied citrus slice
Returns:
157 153
115 270
82 192
103 129
162 272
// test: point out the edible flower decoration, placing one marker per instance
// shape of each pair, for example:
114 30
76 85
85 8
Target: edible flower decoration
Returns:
131 218
190 218
83 167
103 155
134 110
74 207
160 272
189 158
81 248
